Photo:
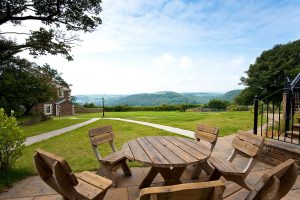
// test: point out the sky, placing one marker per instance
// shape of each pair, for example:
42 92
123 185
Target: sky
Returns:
175 45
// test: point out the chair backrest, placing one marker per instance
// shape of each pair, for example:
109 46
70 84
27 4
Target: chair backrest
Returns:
276 182
207 133
46 164
212 190
247 143
101 135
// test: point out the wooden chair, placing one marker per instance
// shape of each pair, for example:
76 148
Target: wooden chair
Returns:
207 137
112 161
244 144
273 185
57 174
212 190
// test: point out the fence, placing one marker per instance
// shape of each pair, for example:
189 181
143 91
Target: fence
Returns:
276 116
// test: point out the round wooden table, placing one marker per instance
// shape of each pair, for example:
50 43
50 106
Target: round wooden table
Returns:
166 155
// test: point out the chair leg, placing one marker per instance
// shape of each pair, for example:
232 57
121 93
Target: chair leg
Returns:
106 169
126 169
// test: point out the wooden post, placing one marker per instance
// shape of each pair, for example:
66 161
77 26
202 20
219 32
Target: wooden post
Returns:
255 115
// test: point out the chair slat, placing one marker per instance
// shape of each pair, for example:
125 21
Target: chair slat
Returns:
95 180
193 191
100 130
251 138
207 133
245 147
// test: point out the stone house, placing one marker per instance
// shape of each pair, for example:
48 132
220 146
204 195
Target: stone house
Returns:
61 106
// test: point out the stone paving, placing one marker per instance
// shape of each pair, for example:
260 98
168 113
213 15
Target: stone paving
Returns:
33 188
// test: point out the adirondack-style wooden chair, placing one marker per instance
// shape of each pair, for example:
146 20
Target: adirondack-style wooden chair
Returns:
244 144
207 137
112 161
273 185
57 174
212 190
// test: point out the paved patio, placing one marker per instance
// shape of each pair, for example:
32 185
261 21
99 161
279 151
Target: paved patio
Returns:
33 188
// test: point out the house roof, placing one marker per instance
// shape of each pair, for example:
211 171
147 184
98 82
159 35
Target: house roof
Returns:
59 101
295 81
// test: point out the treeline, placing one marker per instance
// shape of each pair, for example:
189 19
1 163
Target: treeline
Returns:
212 105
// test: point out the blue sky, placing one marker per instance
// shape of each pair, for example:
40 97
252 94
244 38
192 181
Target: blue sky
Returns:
179 45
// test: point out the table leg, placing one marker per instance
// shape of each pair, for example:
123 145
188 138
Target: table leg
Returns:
216 175
171 176
149 178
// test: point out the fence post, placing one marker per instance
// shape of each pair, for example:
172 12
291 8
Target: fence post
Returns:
287 116
255 115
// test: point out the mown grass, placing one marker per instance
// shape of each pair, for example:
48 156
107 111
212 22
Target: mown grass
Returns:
50 125
228 122
75 147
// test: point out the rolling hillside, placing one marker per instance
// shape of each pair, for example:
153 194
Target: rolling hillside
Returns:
158 98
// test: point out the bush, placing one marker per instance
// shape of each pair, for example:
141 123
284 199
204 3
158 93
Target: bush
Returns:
89 105
11 143
234 107
217 104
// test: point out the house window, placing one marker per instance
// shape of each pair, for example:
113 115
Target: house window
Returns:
61 93
48 109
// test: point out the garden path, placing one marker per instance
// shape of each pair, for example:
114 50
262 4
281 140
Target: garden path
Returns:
45 136
179 131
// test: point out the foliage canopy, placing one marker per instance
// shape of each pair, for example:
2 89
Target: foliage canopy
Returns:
267 75
59 18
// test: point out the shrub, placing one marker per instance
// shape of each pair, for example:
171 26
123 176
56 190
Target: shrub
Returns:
11 143
217 104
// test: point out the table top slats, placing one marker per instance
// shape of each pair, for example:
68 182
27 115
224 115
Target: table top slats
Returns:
187 157
182 145
127 151
172 157
154 155
165 151
195 145
138 152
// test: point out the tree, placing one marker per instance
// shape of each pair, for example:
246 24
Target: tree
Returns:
61 18
217 104
24 84
267 75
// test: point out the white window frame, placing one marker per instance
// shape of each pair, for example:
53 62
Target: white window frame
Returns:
46 108
61 93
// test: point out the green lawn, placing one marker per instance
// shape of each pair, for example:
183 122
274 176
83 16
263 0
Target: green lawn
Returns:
75 147
50 125
228 122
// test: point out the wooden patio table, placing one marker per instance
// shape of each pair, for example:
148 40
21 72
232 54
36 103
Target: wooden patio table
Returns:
166 155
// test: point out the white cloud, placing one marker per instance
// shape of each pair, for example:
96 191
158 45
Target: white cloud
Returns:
164 61
185 62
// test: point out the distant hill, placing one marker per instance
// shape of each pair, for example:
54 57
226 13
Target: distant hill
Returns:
155 99
230 95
